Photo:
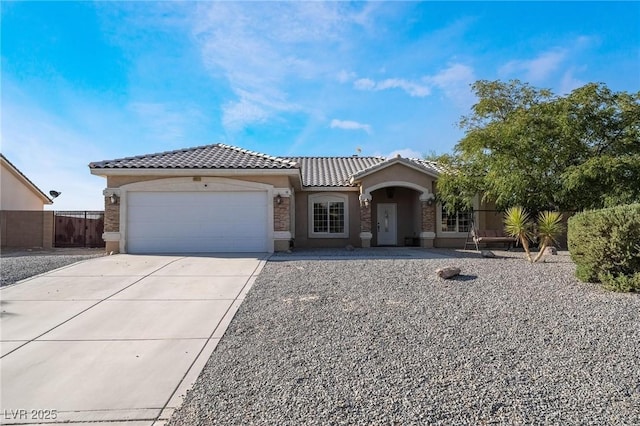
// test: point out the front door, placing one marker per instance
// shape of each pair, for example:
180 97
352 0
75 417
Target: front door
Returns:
387 225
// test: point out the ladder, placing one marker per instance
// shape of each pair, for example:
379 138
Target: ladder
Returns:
471 234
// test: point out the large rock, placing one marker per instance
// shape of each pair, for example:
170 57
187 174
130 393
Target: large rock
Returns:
448 272
488 254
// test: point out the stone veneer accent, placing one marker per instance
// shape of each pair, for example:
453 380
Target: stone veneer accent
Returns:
281 214
111 216
428 217
365 226
428 234
365 219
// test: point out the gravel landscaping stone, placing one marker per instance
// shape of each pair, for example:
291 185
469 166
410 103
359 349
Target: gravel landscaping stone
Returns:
384 341
19 265
448 272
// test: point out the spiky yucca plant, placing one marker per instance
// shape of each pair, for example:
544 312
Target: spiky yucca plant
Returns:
518 224
550 227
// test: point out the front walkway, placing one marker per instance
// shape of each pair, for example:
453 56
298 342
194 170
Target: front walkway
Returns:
365 253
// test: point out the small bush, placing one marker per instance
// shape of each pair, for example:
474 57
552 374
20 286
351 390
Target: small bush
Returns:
604 244
623 283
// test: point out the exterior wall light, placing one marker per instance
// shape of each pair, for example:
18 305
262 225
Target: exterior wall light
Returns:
429 198
279 199
365 200
114 199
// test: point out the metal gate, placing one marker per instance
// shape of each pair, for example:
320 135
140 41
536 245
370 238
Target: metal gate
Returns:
79 229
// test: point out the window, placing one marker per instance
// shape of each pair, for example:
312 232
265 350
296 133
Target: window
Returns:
459 221
328 216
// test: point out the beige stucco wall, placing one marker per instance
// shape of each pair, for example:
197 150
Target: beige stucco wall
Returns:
398 172
281 216
457 243
302 239
15 195
276 181
112 212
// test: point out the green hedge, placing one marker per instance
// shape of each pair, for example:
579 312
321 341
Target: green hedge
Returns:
605 246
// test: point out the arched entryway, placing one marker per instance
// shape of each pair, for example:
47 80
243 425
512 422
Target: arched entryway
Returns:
397 213
395 216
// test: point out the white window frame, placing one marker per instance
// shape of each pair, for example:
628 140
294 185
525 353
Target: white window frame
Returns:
454 234
326 198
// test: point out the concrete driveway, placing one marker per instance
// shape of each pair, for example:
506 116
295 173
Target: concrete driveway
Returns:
115 339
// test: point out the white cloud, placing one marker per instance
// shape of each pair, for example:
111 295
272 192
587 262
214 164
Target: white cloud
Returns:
364 84
454 81
345 76
536 69
569 82
452 76
165 122
404 153
411 88
260 49
556 67
350 125
235 115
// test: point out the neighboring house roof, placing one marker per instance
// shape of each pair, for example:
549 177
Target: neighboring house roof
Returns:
25 180
319 172
217 156
332 171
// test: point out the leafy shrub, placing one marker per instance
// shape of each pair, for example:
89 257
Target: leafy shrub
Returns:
623 283
605 246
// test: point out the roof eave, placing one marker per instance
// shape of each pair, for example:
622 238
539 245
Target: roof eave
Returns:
330 188
104 172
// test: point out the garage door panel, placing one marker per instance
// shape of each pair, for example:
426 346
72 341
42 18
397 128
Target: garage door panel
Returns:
196 222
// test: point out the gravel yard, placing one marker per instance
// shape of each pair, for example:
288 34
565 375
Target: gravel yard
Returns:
19 265
383 341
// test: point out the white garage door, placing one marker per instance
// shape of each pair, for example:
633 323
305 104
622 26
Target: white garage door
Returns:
196 222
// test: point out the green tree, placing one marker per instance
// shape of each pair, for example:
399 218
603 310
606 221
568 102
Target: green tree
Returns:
606 167
525 146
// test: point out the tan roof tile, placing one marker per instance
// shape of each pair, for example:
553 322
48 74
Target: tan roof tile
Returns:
217 156
315 171
332 171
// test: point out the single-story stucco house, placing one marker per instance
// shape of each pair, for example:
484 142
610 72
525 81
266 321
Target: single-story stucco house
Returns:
220 198
17 191
23 221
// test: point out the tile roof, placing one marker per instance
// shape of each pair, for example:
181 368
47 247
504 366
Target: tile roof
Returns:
216 156
431 166
428 166
332 171
315 171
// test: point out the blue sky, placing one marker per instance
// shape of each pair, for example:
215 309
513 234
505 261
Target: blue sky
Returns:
84 81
